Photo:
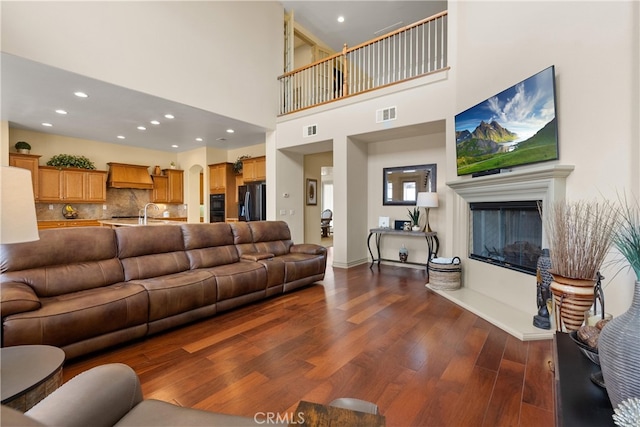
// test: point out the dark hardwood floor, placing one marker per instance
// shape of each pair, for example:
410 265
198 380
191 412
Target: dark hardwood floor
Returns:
377 335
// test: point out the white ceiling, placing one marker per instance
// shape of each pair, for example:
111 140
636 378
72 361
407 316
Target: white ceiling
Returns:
31 92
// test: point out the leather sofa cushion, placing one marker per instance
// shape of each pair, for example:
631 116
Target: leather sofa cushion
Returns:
299 265
209 245
150 239
64 261
271 236
238 279
178 293
59 246
77 316
242 237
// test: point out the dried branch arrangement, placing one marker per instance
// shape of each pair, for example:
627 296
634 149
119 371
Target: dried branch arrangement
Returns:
580 235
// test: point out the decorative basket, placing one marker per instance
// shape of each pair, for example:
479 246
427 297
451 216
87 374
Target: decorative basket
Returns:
445 273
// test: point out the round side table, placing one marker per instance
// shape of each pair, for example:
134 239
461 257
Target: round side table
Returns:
29 373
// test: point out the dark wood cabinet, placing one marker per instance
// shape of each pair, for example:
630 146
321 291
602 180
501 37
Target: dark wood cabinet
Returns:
579 401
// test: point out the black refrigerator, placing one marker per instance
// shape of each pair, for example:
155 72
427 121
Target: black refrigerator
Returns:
252 202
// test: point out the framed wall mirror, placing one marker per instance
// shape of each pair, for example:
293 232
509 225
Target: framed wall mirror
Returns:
400 185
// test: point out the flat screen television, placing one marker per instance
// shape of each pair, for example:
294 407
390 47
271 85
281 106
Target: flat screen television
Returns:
516 127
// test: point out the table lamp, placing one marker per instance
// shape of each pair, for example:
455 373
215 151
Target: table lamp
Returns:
427 200
18 221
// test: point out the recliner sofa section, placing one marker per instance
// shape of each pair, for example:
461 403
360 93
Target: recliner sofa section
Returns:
88 288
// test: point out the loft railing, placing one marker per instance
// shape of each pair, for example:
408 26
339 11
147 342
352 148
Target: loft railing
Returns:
409 52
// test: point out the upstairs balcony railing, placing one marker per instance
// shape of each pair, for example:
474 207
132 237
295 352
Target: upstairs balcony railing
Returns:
409 52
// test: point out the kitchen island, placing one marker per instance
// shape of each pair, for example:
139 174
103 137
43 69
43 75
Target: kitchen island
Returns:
134 222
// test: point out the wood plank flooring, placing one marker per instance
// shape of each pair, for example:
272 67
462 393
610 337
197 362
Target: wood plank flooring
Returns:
377 335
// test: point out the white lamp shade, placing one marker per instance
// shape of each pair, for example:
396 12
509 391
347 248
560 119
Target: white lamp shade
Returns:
18 221
427 200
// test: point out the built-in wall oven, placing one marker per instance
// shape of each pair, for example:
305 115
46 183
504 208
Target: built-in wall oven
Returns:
216 208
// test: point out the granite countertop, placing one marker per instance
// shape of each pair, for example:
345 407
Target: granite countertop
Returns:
133 222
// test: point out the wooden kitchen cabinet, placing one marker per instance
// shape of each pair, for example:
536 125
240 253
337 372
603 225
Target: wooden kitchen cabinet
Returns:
160 188
221 176
30 162
175 185
71 185
68 223
254 169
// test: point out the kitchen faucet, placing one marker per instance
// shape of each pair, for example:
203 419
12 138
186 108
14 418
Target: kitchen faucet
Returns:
145 211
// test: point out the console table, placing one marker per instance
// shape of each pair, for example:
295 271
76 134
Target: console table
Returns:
579 402
433 244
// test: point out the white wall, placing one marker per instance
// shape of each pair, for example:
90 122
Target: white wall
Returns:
188 52
594 47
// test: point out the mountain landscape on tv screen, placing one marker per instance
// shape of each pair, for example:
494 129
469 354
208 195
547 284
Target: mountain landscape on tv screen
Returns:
491 146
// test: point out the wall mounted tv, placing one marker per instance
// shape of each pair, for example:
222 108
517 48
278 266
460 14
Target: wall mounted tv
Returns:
515 127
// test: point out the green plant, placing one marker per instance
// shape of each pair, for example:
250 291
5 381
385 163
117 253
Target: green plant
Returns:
580 236
626 234
22 145
415 215
237 165
70 161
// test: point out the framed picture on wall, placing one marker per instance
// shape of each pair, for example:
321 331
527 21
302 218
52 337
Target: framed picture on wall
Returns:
312 191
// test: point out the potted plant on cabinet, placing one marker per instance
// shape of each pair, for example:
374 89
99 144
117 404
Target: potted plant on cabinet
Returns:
23 147
619 341
580 236
415 218
70 161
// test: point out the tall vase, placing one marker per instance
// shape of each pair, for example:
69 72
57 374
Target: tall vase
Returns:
619 351
571 298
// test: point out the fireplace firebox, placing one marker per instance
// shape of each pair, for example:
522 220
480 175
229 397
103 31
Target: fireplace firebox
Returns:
507 234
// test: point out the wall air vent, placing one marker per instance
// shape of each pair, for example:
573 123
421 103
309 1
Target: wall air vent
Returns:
386 114
310 130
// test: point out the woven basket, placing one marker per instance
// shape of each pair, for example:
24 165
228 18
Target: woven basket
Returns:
445 276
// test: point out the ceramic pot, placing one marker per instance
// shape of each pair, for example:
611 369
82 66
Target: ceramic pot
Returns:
571 298
619 350
403 254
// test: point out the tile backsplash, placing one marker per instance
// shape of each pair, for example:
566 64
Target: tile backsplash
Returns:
120 202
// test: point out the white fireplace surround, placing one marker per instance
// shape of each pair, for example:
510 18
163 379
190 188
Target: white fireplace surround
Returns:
546 183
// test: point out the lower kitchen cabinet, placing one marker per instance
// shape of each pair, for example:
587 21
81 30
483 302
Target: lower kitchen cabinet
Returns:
68 223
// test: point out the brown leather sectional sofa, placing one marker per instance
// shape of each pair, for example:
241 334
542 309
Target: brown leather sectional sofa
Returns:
88 288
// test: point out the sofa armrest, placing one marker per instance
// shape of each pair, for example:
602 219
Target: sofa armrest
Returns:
98 397
17 298
256 256
308 248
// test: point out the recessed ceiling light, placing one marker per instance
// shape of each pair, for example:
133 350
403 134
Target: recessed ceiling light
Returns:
142 128
155 122
230 131
169 116
174 146
340 19
120 136
199 139
81 94
61 112
47 124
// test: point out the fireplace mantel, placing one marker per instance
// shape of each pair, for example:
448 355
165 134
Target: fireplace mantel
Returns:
545 183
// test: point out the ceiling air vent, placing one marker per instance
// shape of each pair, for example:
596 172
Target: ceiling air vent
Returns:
310 130
385 114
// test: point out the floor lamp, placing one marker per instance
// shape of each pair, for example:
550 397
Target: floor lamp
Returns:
427 200
18 221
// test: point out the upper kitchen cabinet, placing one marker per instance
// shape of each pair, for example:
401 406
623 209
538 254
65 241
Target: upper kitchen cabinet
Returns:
160 188
71 185
175 185
254 169
30 162
221 177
